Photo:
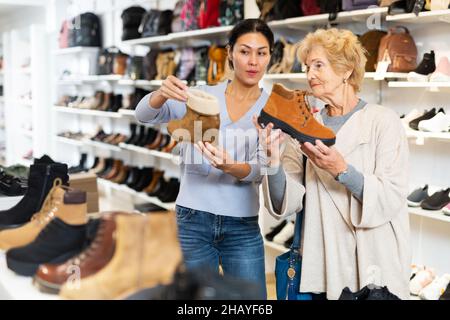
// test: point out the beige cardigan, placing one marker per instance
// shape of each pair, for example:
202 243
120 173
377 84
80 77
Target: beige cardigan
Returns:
346 242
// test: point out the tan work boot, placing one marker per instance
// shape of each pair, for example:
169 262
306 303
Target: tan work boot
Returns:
201 121
147 254
288 110
65 203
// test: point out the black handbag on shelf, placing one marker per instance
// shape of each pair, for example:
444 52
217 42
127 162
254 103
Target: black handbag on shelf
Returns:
131 20
135 67
86 31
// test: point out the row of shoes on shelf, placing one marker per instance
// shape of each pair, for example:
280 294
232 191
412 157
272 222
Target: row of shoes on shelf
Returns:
427 121
439 200
104 101
150 138
427 71
73 135
427 285
147 180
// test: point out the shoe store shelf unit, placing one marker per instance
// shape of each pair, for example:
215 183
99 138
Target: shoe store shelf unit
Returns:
421 137
26 92
429 86
108 185
436 215
423 17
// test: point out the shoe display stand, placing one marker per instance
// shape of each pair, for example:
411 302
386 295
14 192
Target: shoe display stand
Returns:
429 230
26 93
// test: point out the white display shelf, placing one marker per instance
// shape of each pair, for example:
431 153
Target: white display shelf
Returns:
179 38
320 19
72 142
87 112
75 50
275 246
301 77
127 112
423 17
421 136
436 215
15 287
149 152
91 78
430 86
24 102
140 195
101 145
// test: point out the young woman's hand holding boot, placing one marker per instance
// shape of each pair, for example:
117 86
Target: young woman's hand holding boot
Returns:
171 88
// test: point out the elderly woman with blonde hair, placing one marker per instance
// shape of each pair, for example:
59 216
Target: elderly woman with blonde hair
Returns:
356 227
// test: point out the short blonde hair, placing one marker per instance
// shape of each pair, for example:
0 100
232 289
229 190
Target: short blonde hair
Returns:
343 49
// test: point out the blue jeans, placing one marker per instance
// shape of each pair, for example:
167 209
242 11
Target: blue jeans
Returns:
235 243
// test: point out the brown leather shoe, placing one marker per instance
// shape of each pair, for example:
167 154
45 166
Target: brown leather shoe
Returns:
201 121
106 101
123 174
50 277
288 110
156 142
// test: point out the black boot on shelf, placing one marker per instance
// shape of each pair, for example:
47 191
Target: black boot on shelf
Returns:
81 167
171 192
140 135
96 161
133 131
108 165
133 177
149 138
145 179
160 189
117 103
40 181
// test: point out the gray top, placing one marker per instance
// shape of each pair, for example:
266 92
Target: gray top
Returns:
353 180
203 187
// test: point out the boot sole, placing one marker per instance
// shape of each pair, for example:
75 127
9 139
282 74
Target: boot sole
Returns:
45 286
302 138
29 269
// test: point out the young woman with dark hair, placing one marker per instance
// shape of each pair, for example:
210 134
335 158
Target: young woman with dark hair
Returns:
218 203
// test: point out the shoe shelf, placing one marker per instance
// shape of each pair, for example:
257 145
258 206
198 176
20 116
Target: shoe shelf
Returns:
72 142
127 112
87 112
322 19
91 78
421 136
431 86
436 215
275 246
301 77
101 145
159 154
15 287
193 38
423 17
140 195
75 50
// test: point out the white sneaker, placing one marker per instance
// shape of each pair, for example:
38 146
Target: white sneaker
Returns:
435 289
439 123
421 280
285 233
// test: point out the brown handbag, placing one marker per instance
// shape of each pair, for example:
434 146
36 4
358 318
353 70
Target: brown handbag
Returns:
371 42
399 48
120 63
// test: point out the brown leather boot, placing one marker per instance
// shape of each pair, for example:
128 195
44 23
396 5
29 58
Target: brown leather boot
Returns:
50 277
155 179
117 167
62 202
147 254
201 121
288 110
123 174
106 101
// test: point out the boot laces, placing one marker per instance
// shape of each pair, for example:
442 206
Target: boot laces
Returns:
50 205
303 106
77 260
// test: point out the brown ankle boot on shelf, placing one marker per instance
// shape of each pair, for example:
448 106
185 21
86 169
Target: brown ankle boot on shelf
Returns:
147 253
106 102
201 121
155 179
156 142
168 149
50 277
99 97
288 110
99 167
62 202
123 174
117 167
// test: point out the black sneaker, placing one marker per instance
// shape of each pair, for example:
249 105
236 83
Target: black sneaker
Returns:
369 292
414 124
55 244
417 196
275 230
437 201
